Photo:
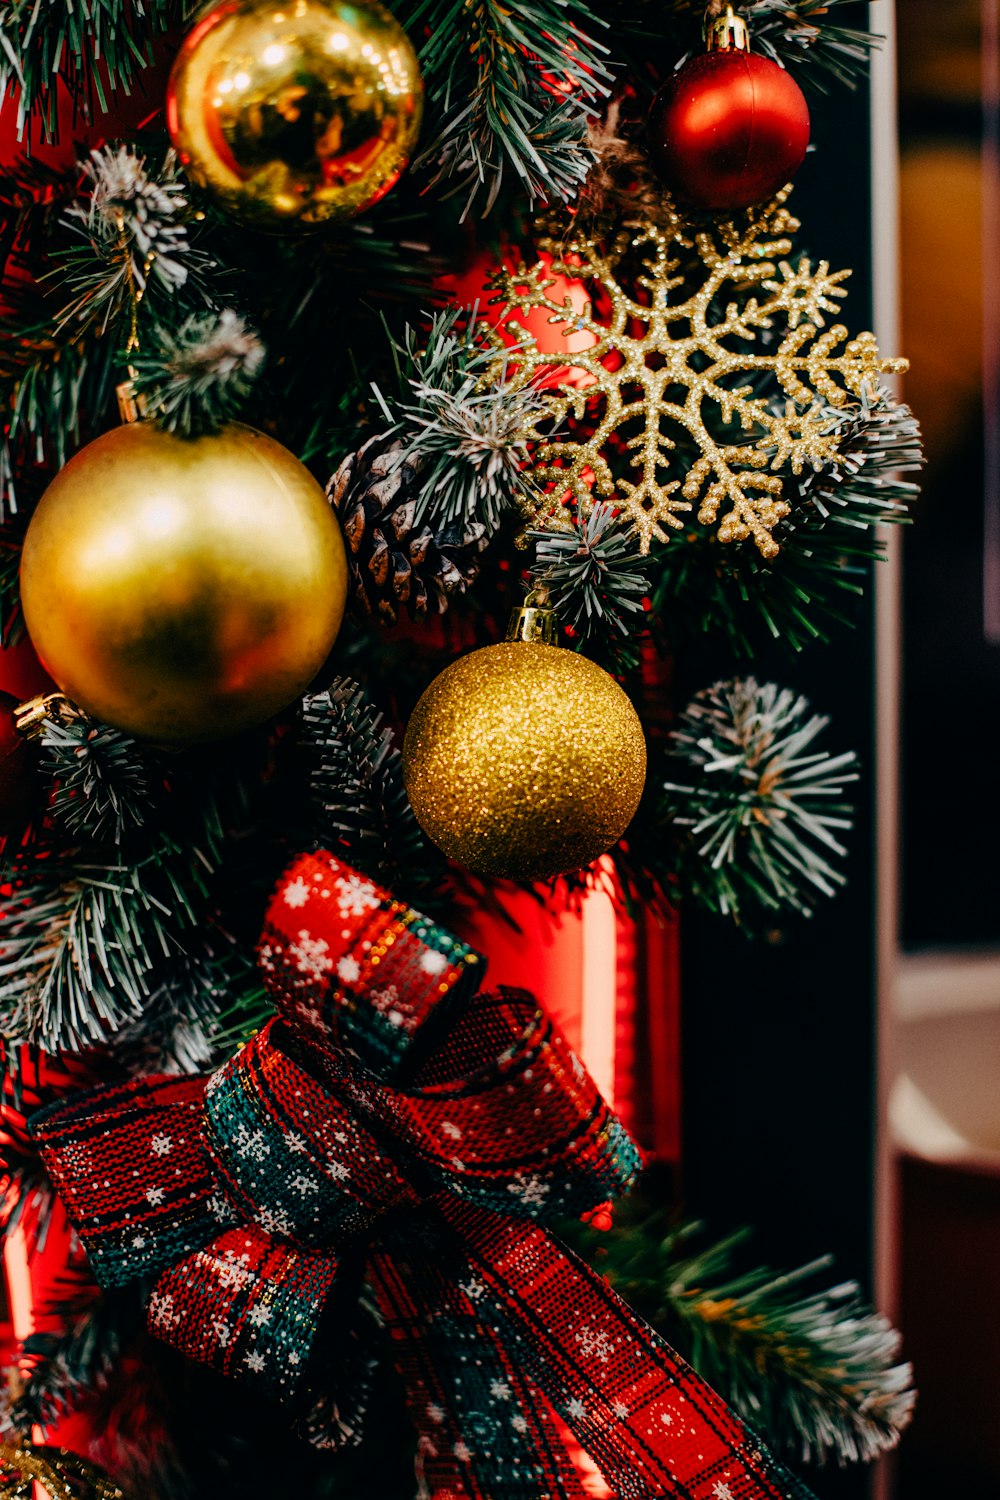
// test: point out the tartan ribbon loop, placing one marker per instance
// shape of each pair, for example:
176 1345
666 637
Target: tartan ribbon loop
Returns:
392 1120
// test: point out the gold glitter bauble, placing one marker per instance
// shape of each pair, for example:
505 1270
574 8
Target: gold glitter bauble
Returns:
180 589
59 1474
524 760
295 113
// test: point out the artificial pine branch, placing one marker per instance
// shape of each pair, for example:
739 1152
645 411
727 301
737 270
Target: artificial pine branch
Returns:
815 1373
33 196
878 441
118 258
761 809
203 1006
54 390
318 303
95 50
241 1003
132 243
511 88
828 542
11 622
26 1194
67 1369
198 377
357 801
102 777
593 576
468 434
801 37
83 934
798 36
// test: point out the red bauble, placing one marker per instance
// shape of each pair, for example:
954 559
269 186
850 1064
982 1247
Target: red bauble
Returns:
728 130
472 285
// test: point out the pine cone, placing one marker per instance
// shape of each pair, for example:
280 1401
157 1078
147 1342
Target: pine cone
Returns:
392 561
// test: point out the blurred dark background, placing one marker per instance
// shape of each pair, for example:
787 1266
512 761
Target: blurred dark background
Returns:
779 1036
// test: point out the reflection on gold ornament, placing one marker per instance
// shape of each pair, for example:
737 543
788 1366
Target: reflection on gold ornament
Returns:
707 339
295 114
61 1475
181 589
524 760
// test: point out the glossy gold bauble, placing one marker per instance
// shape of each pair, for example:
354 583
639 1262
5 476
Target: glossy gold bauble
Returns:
524 760
179 589
298 113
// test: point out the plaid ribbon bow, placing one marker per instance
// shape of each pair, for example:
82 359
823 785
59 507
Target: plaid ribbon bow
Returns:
391 1145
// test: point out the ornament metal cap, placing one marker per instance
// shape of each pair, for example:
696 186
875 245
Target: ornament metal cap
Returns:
535 620
725 32
54 708
131 406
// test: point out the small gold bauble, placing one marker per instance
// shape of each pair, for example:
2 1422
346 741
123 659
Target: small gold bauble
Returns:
179 589
524 760
295 113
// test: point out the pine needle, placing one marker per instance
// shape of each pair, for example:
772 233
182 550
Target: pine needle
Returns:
197 377
357 800
761 808
835 531
816 1373
468 435
511 89
593 575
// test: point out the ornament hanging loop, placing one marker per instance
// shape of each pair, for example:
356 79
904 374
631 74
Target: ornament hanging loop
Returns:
724 30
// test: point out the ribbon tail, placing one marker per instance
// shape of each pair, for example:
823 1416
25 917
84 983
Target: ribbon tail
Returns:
249 1306
136 1181
486 1433
654 1428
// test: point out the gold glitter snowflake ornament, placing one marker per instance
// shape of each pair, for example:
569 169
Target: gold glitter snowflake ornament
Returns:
729 362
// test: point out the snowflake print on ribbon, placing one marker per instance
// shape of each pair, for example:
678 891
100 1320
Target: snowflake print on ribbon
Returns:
531 1191
355 895
303 1184
311 955
274 1220
251 1143
296 893
595 1344
233 1271
162 1313
704 386
222 1331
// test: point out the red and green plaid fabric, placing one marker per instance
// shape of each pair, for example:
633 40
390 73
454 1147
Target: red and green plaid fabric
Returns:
393 1124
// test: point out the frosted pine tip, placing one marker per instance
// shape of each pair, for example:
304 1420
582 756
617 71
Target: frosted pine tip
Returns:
599 1218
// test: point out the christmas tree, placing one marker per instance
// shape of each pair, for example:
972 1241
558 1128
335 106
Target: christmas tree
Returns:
393 405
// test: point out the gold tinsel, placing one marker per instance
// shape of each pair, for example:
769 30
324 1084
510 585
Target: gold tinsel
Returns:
681 357
63 1475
